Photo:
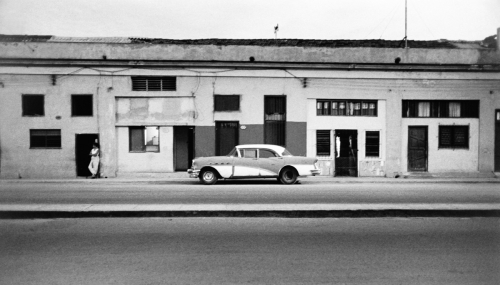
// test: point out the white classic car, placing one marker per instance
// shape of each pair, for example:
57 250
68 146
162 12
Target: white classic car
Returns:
254 161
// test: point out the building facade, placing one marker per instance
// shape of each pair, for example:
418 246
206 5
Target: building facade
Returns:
364 108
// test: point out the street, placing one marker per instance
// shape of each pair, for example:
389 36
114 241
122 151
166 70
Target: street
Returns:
250 251
251 192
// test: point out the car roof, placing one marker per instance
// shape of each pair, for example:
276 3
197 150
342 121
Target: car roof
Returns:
276 148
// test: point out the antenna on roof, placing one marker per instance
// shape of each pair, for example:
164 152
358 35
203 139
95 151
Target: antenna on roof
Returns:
406 23
276 29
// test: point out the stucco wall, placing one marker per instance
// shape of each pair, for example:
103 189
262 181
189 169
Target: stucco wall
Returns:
138 162
17 159
359 123
445 160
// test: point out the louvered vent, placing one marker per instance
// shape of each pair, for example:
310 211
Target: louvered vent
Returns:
150 83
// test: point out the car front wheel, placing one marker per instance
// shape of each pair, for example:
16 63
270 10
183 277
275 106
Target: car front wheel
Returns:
208 177
288 176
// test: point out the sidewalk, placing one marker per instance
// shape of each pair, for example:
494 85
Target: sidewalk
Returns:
182 177
320 209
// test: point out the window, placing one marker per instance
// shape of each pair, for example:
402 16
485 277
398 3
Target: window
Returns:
144 139
372 144
248 153
440 109
81 106
33 105
265 153
45 138
454 137
323 142
346 108
150 83
226 103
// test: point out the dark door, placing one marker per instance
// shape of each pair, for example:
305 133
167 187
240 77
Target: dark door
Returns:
183 147
417 148
497 140
275 120
83 145
346 153
226 136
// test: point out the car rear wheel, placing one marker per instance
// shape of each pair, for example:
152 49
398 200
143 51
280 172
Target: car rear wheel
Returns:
288 176
208 177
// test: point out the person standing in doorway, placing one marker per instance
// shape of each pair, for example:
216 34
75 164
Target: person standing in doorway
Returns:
94 160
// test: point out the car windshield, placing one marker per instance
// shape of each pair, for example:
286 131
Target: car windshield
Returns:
232 153
286 153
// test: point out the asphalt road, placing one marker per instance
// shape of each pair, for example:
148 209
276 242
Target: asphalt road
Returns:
249 192
250 251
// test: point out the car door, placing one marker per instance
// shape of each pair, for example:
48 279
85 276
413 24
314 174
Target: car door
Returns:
270 162
247 163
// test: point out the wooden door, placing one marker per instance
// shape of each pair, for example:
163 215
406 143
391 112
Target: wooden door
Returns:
226 136
417 148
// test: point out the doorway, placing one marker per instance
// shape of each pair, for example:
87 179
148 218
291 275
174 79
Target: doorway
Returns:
83 145
417 148
275 120
346 153
183 147
226 136
497 140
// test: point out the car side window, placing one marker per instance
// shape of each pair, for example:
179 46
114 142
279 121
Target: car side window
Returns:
265 153
249 153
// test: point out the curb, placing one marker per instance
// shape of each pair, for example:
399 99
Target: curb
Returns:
52 211
241 181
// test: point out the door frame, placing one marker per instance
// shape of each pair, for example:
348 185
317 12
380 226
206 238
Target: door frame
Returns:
496 147
191 132
77 161
426 149
352 167
218 140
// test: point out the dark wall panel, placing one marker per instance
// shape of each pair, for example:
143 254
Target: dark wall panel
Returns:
296 137
253 134
204 141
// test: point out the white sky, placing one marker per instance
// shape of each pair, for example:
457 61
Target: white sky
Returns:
304 19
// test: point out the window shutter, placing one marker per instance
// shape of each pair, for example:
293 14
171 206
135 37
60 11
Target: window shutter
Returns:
323 142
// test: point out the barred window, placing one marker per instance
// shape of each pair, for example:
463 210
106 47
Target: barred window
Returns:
440 109
323 143
226 103
454 137
45 138
33 105
150 83
346 108
372 144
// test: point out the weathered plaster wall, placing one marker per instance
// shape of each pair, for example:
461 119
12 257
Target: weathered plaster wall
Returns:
145 162
444 160
18 160
242 53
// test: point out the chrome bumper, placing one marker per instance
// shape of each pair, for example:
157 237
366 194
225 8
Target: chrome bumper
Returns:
315 172
193 173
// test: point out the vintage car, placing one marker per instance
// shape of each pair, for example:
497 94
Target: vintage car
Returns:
254 161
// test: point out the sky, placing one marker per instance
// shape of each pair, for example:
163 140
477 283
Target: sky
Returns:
251 19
